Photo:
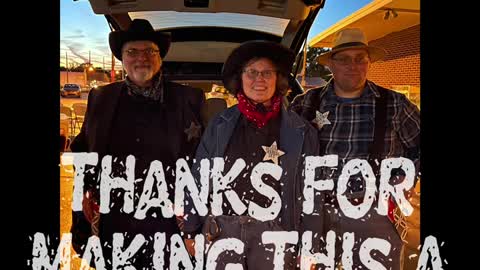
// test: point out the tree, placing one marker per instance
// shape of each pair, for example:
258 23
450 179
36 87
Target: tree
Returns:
314 69
78 68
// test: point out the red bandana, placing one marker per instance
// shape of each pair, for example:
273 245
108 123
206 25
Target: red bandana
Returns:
391 209
253 112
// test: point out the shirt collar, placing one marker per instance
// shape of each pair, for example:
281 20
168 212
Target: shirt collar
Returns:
154 92
369 90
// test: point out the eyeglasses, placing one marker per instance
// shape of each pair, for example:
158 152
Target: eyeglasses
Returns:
136 53
347 60
253 74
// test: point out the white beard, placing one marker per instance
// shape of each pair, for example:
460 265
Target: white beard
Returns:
143 76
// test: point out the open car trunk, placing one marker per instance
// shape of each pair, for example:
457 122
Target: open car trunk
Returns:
204 32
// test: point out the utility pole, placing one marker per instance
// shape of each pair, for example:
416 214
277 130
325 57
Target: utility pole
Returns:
103 71
112 72
304 68
85 74
66 63
89 65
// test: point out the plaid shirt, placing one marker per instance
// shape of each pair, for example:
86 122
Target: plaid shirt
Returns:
350 131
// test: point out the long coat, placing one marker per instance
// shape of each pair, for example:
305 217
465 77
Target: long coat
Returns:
298 139
183 107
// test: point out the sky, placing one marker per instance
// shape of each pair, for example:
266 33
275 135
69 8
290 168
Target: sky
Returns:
82 32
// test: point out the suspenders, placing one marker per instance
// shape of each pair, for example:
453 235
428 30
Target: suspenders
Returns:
376 147
378 144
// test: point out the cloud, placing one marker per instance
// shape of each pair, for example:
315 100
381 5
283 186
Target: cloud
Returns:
76 48
103 49
101 45
101 41
74 36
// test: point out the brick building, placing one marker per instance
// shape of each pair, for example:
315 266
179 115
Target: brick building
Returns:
400 70
72 77
395 26
82 78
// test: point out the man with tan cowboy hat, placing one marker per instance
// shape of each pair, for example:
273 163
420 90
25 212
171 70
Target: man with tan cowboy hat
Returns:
357 119
148 117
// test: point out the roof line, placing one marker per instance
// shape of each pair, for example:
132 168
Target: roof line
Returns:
366 10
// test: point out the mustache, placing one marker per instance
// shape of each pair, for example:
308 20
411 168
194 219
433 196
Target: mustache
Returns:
143 66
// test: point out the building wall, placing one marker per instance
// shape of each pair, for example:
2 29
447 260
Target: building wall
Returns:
73 77
401 66
98 76
400 70
79 77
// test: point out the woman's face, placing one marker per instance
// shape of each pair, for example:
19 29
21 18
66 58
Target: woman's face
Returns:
259 77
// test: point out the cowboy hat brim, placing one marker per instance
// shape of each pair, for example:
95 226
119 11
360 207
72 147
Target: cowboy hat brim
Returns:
117 39
281 56
375 53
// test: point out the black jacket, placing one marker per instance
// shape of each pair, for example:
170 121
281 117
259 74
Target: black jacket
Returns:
183 106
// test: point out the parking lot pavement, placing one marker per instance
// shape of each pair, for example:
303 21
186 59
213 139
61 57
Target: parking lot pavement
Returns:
66 191
69 101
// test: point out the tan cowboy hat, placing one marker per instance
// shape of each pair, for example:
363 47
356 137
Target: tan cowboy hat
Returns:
351 38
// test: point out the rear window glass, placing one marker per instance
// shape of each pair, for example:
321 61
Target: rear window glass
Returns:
71 86
171 19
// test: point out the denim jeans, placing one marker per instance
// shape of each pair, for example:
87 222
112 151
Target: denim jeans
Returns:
256 255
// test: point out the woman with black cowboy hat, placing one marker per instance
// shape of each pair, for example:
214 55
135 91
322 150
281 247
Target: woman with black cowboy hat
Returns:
148 117
257 130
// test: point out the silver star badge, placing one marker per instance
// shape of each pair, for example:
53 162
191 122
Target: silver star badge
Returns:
321 119
272 153
193 131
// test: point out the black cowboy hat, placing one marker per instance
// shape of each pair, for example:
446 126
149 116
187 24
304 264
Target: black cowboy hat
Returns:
139 29
281 56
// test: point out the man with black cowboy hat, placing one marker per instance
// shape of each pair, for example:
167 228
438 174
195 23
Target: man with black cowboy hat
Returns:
145 116
259 129
358 119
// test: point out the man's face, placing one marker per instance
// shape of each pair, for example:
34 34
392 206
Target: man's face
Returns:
141 60
350 68
259 79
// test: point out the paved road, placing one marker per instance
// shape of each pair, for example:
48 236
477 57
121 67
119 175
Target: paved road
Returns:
69 101
66 190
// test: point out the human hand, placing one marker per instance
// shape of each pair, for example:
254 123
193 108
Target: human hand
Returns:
90 207
190 245
180 222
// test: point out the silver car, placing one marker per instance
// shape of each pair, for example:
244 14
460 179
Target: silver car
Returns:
71 89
